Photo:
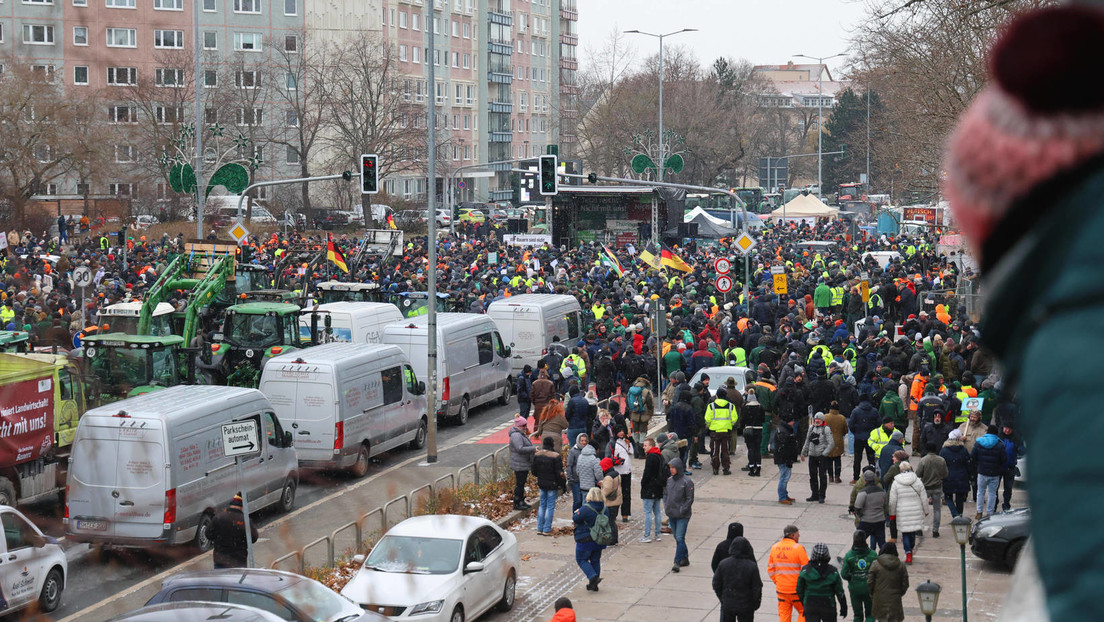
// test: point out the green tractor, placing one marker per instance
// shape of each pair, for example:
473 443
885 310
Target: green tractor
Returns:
119 365
252 333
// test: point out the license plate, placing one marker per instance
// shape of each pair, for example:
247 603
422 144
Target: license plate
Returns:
92 525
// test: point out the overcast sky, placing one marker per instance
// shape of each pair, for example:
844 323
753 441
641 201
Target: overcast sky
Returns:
761 31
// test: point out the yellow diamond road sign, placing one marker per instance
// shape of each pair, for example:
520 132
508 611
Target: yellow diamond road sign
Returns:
744 243
238 232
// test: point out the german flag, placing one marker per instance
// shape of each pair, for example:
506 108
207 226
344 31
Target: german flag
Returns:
671 260
391 221
334 255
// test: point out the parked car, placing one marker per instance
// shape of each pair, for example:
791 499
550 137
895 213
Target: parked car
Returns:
410 217
197 610
439 568
288 595
471 215
1001 537
36 565
330 219
498 214
144 221
718 376
444 219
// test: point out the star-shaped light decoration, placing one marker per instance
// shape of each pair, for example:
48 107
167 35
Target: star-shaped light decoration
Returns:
218 130
255 163
241 141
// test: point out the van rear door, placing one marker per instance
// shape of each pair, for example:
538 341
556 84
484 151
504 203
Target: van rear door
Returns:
304 402
92 478
141 464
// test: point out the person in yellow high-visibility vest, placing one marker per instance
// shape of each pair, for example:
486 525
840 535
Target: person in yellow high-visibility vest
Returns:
720 417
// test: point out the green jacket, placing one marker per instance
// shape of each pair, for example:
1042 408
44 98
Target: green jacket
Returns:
822 296
1047 294
824 582
892 406
672 362
855 568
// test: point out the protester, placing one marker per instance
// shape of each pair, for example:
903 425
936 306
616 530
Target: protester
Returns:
737 583
228 536
869 508
549 470
571 471
653 483
720 417
908 503
551 423
521 459
817 584
588 553
818 444
932 471
855 569
956 486
785 453
611 494
754 418
565 612
678 505
889 582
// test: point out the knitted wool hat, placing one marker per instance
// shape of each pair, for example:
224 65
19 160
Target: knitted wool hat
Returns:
1029 125
820 553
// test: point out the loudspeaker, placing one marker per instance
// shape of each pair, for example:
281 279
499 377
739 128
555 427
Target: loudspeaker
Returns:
517 225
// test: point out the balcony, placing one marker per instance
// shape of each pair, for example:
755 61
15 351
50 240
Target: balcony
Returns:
569 114
498 16
568 63
501 137
502 106
569 89
569 39
505 166
568 139
505 48
569 14
502 195
499 77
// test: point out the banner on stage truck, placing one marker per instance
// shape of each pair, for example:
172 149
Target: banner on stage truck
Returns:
527 239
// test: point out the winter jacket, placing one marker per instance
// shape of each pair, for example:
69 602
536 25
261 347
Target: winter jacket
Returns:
855 569
736 580
785 444
584 519
680 492
838 425
566 614
648 399
932 470
611 489
575 410
521 450
892 406
572 461
784 565
600 437
990 456
958 466
605 375
908 501
669 450
888 580
542 392
681 419
524 387
885 458
588 468
818 442
933 434
228 537
870 504
549 470
622 448
971 432
864 420
553 428
818 583
654 479
735 530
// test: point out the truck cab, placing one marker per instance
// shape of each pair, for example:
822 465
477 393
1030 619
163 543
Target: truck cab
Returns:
122 317
252 333
122 366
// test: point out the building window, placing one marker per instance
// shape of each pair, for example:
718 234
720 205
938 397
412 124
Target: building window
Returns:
248 41
247 79
402 19
290 81
291 44
257 152
459 97
467 61
80 35
456 59
168 39
209 5
169 5
247 6
416 55
456 29
468 98
467 123
80 2
414 21
46 71
119 189
122 114
121 4
38 34
455 152
291 118
249 116
402 53
292 156
439 93
122 76
210 116
210 78
122 38
167 115
50 189
169 77
82 188
467 30
125 154
291 7
210 40
80 74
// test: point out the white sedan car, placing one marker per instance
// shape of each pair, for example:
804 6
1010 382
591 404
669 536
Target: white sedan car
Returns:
34 567
718 376
438 568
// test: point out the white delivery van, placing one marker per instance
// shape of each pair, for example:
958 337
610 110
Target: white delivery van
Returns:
150 470
356 322
473 365
346 402
529 322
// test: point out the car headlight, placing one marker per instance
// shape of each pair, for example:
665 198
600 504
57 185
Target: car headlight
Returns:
989 532
433 606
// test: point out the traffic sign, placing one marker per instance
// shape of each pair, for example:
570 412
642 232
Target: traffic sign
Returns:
723 265
864 286
240 438
778 270
461 185
744 242
82 276
238 232
724 284
780 286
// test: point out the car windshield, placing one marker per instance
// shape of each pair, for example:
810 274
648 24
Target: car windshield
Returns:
122 369
319 602
718 379
415 555
252 331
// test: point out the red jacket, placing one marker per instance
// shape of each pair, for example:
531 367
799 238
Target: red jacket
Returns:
564 615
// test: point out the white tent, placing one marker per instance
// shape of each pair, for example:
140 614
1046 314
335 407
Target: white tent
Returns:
698 211
805 207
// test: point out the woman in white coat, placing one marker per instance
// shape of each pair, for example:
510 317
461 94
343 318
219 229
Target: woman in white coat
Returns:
908 501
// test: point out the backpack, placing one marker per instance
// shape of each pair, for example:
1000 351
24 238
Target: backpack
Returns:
601 532
635 401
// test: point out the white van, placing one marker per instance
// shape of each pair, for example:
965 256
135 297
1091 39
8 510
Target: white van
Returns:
473 365
150 470
529 322
346 402
355 322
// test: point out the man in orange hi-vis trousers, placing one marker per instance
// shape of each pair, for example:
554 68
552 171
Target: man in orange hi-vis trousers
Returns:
787 558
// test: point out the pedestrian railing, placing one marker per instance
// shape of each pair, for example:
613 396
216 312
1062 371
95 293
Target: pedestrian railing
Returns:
370 526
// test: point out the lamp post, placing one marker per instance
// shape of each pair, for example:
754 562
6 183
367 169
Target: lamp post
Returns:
928 593
820 126
659 165
961 527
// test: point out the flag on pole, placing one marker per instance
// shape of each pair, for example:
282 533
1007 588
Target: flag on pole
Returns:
610 260
391 221
668 258
649 259
334 255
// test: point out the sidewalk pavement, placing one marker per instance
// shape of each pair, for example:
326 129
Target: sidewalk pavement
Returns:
638 584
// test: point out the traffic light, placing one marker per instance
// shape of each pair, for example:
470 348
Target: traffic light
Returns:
369 173
549 184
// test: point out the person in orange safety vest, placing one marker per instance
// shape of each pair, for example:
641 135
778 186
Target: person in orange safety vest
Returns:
787 558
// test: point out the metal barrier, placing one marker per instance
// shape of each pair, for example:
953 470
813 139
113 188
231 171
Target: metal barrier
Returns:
383 521
329 552
451 477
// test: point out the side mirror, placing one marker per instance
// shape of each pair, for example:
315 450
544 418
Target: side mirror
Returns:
473 567
358 559
508 351
421 387
287 438
37 540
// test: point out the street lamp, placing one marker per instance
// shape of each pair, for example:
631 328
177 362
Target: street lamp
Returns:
961 527
928 593
820 126
659 165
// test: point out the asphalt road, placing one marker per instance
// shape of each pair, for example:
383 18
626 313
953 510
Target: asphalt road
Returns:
97 575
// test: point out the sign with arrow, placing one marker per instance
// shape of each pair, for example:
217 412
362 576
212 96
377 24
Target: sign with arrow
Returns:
240 438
